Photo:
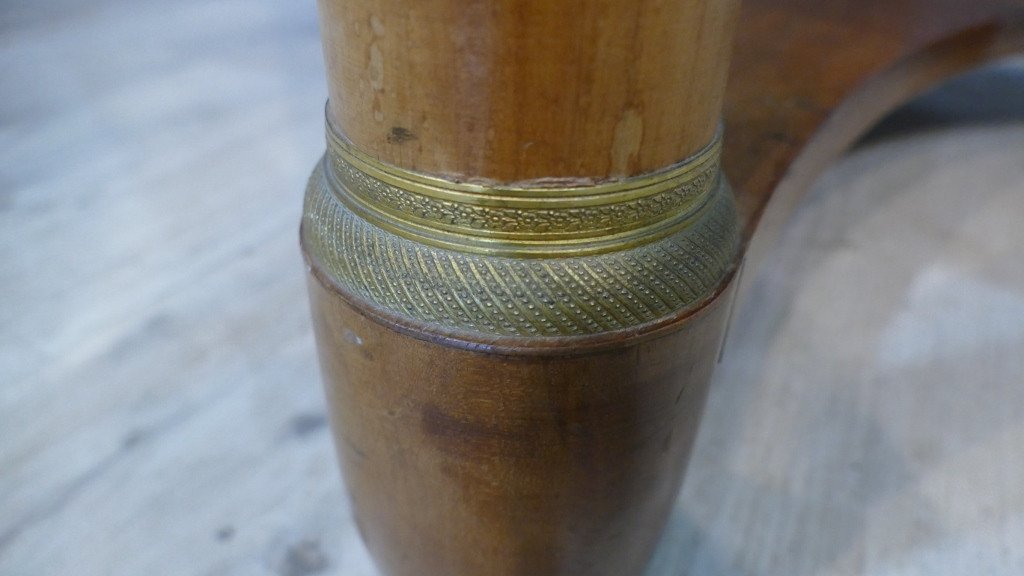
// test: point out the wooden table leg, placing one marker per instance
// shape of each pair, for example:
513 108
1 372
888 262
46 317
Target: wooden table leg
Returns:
521 246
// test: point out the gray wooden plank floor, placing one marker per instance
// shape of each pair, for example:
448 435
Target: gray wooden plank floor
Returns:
160 410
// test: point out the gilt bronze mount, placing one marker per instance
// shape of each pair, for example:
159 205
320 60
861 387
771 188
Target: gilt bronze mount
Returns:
537 259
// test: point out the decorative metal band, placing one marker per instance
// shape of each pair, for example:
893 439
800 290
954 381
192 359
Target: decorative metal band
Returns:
489 293
534 221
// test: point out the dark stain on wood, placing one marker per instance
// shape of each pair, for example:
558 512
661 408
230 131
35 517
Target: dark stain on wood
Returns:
399 135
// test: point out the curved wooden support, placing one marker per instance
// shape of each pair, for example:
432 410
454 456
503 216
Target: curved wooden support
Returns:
810 77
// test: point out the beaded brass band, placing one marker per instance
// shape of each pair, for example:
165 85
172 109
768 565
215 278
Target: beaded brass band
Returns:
520 261
534 221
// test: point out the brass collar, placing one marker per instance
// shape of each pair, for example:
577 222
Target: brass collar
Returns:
523 221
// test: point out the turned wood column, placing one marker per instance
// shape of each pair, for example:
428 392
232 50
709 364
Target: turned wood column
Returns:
518 90
521 247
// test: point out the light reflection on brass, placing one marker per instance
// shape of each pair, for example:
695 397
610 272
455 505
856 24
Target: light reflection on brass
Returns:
516 260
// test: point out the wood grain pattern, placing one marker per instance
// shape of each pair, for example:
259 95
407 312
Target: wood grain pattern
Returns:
412 533
160 410
516 90
809 78
472 450
463 461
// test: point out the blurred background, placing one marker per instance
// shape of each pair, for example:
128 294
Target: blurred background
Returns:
160 407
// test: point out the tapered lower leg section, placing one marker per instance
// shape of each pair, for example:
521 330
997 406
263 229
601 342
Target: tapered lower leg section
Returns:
559 461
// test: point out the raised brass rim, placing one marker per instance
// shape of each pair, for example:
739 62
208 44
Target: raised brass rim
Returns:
511 261
499 296
535 221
